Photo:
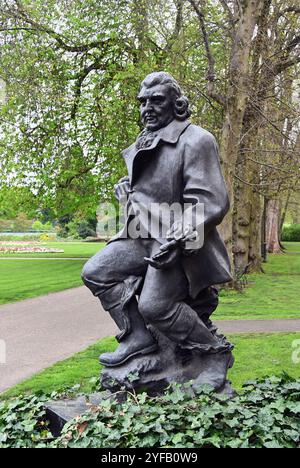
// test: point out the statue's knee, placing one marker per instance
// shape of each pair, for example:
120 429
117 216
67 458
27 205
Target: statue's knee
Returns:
90 273
152 310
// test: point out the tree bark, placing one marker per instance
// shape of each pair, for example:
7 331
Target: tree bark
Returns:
273 226
247 212
236 105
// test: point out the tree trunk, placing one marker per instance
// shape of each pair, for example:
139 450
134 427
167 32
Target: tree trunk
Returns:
273 226
255 250
141 26
236 105
241 220
247 210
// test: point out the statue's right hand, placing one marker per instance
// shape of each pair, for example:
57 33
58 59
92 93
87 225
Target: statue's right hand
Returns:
122 189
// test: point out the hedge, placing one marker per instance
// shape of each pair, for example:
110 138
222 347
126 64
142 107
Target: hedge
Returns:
291 233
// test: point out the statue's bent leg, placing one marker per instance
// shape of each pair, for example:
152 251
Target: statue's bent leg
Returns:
163 304
205 303
114 275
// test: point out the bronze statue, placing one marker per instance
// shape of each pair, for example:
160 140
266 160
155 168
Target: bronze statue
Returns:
160 292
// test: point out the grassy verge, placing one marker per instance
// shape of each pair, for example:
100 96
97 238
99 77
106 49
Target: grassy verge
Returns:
256 356
26 279
274 294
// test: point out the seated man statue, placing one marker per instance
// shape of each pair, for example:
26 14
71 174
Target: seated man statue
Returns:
156 280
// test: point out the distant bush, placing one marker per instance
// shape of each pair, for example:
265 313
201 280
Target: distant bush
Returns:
6 225
38 226
291 233
47 237
78 229
85 229
13 237
20 224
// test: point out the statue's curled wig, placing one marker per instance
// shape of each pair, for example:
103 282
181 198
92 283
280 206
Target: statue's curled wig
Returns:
182 106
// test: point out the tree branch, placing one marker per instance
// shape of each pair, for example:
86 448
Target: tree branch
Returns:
211 76
97 65
21 14
227 9
293 43
291 9
178 25
284 65
179 17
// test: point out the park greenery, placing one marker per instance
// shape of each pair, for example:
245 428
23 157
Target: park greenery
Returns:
21 280
69 76
272 351
70 72
291 233
274 294
265 415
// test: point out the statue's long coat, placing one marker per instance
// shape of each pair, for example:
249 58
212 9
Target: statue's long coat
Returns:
182 165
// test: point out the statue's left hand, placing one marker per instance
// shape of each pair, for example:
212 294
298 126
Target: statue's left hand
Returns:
122 189
165 259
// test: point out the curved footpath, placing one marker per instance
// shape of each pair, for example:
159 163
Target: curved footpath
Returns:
42 331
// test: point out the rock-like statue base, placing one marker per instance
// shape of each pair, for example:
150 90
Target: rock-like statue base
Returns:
154 372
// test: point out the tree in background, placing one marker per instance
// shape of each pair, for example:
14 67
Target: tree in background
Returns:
72 71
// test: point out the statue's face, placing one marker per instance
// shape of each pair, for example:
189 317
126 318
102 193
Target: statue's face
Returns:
157 107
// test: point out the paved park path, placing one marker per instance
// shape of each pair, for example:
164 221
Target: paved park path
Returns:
42 331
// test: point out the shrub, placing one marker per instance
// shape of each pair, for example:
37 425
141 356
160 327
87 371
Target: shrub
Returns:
291 233
22 422
6 225
21 223
85 229
47 237
12 237
38 226
267 415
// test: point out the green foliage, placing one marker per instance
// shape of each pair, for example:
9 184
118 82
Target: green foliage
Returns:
22 423
76 108
39 226
266 415
291 233
85 229
78 229
16 200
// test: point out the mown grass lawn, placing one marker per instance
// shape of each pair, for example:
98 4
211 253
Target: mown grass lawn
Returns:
23 279
256 356
274 294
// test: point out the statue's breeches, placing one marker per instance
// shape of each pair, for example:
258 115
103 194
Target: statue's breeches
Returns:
119 272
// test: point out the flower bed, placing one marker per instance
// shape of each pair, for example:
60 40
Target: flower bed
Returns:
20 243
26 247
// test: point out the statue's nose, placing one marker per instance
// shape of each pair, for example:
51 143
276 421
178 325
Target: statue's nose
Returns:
149 105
